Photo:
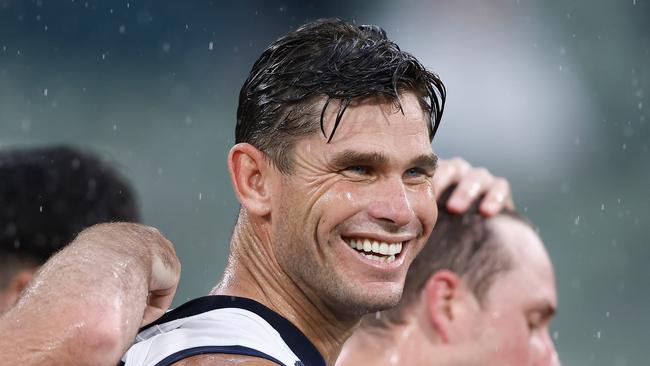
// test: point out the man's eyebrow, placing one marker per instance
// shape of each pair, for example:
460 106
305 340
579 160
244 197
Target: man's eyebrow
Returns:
428 161
348 158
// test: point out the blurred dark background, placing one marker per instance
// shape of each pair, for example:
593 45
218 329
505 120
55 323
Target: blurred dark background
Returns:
551 94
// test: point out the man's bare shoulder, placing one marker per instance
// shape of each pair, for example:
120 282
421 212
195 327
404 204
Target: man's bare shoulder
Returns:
224 360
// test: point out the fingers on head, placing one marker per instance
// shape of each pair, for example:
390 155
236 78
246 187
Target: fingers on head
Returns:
449 171
474 183
498 197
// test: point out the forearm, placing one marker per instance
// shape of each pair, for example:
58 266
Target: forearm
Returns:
85 305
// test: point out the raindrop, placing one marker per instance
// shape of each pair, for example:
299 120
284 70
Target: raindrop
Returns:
122 29
166 47
200 196
576 221
210 46
103 56
40 208
624 146
640 105
598 335
45 92
602 207
556 335
114 127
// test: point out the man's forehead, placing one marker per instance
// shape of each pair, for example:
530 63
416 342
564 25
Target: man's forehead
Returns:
372 116
531 265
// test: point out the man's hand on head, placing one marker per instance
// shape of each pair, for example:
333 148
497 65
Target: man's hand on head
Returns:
471 183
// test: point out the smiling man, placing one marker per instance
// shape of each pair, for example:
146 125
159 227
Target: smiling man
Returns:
481 292
333 168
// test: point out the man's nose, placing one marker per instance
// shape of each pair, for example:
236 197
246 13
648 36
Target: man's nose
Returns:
392 203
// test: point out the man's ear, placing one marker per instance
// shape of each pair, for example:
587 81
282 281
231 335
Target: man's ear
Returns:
441 293
249 171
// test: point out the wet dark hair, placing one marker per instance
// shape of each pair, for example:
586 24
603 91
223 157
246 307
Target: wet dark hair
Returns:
48 195
464 244
325 60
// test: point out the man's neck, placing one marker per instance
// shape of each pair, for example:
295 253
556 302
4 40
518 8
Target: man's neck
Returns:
253 272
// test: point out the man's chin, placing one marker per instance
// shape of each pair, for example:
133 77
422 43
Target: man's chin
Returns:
369 303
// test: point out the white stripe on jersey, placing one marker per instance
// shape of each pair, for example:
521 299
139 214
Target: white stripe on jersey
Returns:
220 327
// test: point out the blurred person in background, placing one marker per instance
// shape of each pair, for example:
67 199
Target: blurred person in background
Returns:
481 292
47 196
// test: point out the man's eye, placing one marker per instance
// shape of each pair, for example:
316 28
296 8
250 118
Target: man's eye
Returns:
358 169
414 173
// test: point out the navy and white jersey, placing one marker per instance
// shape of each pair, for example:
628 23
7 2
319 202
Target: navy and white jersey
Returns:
226 325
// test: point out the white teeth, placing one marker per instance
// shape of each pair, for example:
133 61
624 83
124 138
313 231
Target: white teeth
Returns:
385 252
380 258
367 247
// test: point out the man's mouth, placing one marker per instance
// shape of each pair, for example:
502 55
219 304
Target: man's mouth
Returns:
375 250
